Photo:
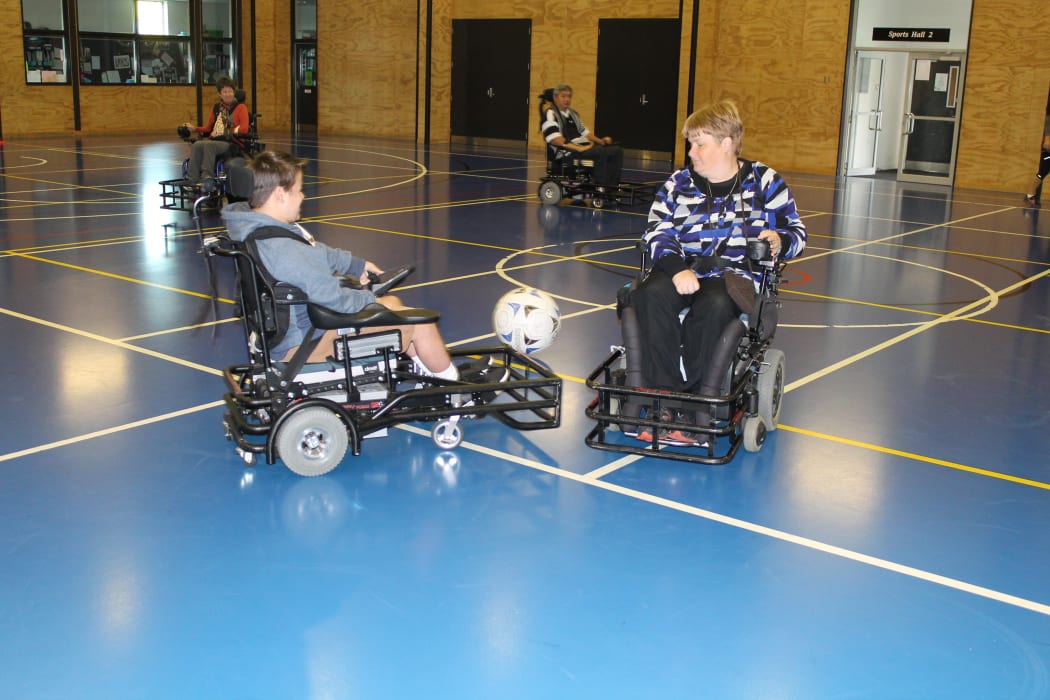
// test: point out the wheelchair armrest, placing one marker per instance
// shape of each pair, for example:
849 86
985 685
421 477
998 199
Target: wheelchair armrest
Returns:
371 316
285 293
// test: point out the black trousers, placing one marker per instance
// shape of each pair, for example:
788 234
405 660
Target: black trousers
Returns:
668 342
608 164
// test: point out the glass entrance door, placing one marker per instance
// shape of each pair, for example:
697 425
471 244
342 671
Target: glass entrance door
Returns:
866 119
931 121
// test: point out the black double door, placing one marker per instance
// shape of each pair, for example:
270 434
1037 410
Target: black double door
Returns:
490 78
636 97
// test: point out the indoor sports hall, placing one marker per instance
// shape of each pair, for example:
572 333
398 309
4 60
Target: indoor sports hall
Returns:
889 540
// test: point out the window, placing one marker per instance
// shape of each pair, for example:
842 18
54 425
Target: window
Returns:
130 41
44 41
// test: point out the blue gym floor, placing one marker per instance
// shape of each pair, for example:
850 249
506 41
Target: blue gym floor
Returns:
890 540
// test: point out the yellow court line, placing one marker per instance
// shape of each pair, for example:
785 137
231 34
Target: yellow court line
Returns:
917 457
66 184
169 331
122 278
916 330
110 341
108 431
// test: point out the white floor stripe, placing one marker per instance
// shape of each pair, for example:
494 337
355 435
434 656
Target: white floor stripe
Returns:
859 557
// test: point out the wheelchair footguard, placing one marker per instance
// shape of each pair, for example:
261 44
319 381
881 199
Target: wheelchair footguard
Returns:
741 417
310 425
553 190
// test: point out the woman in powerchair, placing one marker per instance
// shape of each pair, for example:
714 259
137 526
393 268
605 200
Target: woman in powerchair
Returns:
696 238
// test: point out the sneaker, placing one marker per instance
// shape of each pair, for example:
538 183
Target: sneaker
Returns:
645 432
677 436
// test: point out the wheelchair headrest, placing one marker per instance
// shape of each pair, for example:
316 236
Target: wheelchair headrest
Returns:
241 95
240 180
547 95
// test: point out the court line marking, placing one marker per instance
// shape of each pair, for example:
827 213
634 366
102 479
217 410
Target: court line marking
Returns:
122 278
109 431
917 457
772 533
593 477
911 332
110 341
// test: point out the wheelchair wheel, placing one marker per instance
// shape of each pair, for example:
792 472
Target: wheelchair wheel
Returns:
754 433
447 434
312 441
550 192
598 203
771 388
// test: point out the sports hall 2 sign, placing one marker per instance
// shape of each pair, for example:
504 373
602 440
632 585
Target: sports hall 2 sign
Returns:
907 34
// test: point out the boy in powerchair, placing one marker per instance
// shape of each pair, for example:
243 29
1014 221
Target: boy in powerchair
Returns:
696 238
291 255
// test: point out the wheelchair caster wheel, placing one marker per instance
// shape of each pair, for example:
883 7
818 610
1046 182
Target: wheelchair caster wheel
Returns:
754 433
447 434
598 203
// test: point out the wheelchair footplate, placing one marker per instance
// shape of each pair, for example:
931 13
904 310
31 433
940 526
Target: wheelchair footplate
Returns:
311 421
644 422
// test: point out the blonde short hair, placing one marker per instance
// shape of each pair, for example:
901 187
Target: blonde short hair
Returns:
720 119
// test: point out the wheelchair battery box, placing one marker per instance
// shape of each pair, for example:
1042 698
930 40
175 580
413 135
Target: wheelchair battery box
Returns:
370 345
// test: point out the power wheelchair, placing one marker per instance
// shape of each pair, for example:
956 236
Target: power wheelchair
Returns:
308 415
571 174
745 407
183 194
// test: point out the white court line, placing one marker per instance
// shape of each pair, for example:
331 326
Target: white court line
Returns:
109 431
841 552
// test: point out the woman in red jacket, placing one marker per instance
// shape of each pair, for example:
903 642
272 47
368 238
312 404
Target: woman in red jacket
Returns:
229 119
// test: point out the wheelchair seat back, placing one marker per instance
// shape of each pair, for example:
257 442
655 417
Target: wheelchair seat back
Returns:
266 304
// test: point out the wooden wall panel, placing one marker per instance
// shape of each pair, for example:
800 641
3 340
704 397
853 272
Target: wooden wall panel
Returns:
27 109
135 108
367 50
273 63
1007 78
782 62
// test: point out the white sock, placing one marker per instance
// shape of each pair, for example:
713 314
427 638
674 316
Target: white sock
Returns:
451 372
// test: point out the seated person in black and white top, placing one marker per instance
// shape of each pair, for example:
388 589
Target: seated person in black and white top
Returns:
562 127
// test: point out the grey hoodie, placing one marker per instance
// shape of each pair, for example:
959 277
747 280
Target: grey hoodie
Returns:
312 268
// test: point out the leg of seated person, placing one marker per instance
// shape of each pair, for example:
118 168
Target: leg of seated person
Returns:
422 341
657 304
193 169
711 311
608 164
210 151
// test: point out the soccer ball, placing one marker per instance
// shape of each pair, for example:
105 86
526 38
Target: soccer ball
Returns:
526 319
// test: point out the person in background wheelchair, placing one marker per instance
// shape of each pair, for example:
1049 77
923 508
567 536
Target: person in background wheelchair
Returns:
290 254
228 121
564 130
696 238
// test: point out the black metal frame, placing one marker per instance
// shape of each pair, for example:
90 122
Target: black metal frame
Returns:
261 394
731 411
572 175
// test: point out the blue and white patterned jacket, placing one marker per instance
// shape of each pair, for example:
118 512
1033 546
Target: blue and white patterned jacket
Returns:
686 220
